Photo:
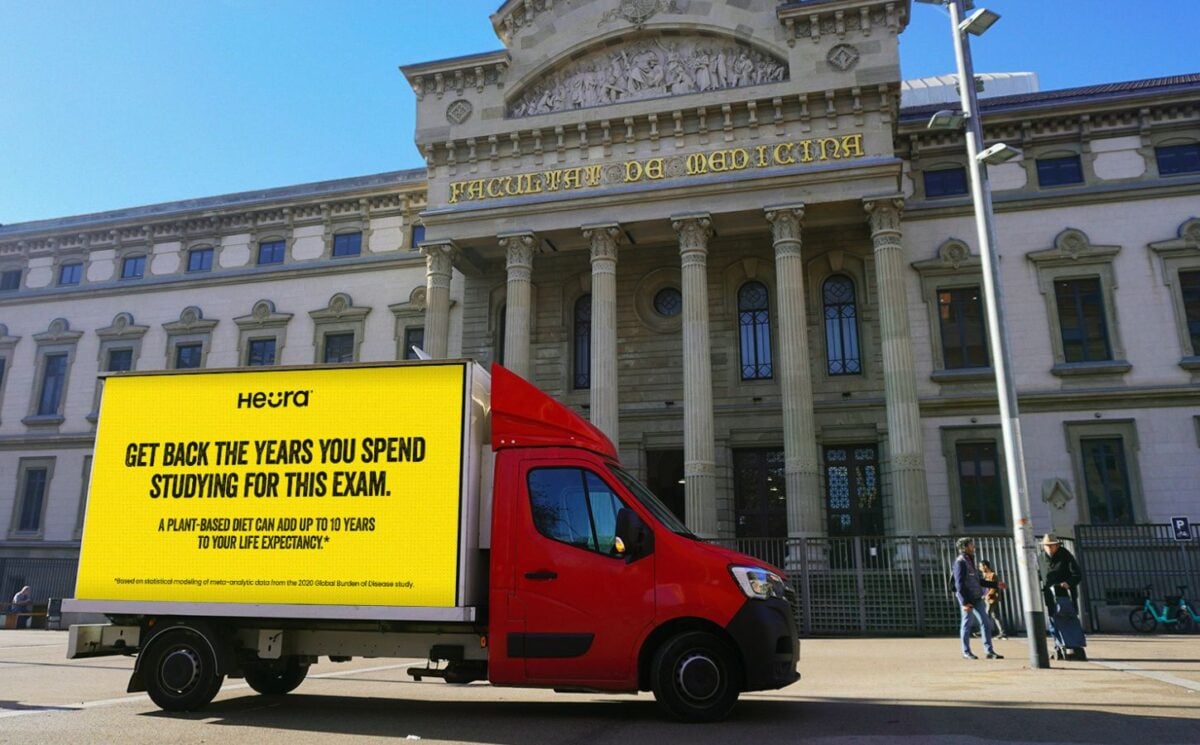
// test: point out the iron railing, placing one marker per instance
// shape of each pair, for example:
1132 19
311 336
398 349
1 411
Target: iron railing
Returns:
1119 561
47 578
882 585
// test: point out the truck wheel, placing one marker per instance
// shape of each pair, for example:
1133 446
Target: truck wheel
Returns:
276 681
696 677
181 671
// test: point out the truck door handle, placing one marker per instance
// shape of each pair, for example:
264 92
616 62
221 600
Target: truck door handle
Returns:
542 575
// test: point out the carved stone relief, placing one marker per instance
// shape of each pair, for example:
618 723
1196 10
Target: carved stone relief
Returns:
649 68
638 12
842 57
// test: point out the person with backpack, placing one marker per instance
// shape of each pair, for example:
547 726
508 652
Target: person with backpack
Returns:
969 590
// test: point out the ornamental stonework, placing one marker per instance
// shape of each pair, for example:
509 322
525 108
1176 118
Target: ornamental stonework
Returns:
458 111
843 57
650 68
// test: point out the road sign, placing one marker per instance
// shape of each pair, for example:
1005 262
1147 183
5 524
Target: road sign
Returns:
1181 528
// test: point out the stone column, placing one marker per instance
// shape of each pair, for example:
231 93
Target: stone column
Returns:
699 460
906 454
519 248
793 366
439 263
604 239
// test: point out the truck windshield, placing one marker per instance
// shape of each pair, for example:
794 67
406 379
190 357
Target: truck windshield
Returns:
652 503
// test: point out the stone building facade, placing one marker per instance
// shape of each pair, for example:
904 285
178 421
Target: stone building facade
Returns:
711 228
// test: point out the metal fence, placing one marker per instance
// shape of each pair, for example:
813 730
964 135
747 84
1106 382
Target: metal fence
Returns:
1119 561
882 585
47 578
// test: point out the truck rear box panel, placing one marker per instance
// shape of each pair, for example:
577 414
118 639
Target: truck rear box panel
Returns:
343 492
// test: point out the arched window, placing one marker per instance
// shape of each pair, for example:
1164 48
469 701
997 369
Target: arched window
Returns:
583 343
841 326
754 331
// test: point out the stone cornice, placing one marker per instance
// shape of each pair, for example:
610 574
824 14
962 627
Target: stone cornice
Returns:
456 75
842 17
139 227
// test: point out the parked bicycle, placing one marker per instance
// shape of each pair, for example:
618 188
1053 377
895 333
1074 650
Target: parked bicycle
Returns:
1172 615
1185 605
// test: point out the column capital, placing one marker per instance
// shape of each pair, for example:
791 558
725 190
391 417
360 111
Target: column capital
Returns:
520 247
439 255
694 230
603 239
786 221
884 213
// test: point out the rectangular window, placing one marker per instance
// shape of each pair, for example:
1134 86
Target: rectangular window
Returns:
70 274
200 260
33 496
1189 286
1081 318
1106 480
133 267
414 336
271 252
964 342
339 347
120 360
187 356
347 244
979 485
1059 171
946 182
54 379
418 235
261 352
1173 159
10 280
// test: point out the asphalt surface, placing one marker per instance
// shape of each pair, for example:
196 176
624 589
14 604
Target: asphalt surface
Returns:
1132 690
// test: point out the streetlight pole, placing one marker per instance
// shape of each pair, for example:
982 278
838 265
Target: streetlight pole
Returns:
1010 424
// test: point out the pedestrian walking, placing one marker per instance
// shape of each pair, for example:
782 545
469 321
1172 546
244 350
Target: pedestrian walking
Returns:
992 597
968 590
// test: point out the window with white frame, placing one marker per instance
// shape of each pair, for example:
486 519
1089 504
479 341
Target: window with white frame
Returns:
1180 264
32 491
262 335
188 339
55 353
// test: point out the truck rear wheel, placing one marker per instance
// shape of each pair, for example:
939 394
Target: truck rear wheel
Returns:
695 677
180 671
276 680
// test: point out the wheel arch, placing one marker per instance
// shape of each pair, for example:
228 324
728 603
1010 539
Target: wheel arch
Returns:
672 628
220 647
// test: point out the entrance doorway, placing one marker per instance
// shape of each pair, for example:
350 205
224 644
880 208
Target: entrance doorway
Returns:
664 476
852 495
760 493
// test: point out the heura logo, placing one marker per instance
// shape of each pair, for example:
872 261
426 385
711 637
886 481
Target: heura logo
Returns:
273 400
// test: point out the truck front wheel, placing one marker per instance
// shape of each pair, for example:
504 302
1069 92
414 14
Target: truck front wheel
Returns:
277 680
695 677
180 671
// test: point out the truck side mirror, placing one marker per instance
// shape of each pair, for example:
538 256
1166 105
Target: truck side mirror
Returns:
634 538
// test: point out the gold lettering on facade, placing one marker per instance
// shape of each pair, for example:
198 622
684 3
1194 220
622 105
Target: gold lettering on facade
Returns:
852 146
828 147
783 154
653 169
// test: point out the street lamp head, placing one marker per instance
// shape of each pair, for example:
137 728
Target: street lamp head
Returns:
946 119
979 21
998 153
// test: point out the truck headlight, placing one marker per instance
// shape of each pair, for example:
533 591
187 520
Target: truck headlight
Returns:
757 582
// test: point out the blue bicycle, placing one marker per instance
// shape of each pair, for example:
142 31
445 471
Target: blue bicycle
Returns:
1173 615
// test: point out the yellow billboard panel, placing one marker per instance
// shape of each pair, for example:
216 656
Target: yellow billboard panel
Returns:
328 486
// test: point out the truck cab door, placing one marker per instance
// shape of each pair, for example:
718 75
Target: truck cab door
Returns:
586 608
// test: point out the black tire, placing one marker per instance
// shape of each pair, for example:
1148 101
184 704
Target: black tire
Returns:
696 677
1142 620
1184 625
1081 654
276 680
180 670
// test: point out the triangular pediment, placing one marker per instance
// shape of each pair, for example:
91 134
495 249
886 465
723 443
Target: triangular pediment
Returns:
645 67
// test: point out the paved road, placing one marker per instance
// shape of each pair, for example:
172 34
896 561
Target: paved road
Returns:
1135 690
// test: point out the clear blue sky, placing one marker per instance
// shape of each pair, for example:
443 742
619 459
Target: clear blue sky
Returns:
106 104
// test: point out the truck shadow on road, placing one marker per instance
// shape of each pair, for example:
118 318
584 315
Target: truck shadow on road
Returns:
617 720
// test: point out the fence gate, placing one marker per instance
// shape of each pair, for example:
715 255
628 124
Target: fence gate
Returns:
882 584
1119 561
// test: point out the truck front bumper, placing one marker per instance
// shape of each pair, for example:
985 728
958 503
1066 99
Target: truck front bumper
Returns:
765 632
